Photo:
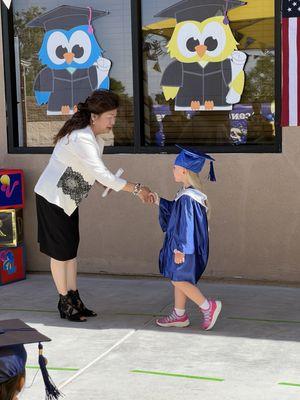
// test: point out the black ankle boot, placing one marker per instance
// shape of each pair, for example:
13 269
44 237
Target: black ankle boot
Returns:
67 310
78 304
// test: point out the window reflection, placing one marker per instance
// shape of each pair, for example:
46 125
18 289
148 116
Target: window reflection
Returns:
251 120
36 128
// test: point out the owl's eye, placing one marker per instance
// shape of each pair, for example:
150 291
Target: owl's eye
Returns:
60 51
214 37
78 51
191 44
81 46
211 43
57 46
188 37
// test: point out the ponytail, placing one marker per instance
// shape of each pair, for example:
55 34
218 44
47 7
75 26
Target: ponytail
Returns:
99 102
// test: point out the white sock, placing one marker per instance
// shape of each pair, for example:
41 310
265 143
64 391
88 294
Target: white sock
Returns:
204 306
179 312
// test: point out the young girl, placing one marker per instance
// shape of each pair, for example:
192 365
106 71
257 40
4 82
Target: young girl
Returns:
184 255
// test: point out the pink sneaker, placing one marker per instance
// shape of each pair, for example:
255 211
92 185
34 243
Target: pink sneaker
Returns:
211 315
174 320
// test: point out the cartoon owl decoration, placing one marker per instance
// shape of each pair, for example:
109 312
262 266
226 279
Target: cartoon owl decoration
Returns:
73 59
208 70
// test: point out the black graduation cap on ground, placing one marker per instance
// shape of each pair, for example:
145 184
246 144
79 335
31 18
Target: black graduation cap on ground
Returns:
14 333
199 10
66 17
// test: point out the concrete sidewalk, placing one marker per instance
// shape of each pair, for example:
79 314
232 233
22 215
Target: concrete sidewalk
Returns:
252 353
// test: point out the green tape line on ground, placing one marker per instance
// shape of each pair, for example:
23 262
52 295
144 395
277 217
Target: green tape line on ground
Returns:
27 310
140 314
54 312
203 378
277 321
52 368
289 384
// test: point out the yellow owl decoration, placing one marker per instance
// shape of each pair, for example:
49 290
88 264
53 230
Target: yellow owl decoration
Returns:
207 70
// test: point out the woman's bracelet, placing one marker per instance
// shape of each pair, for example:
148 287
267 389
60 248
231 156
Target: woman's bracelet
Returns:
137 189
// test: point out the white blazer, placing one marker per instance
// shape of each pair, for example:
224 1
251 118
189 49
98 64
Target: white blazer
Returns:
75 164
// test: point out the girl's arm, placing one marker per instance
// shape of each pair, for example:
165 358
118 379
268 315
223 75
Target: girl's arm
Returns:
165 209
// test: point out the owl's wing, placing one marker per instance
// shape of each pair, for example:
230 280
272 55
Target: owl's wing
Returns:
93 77
173 75
43 86
172 80
98 80
226 71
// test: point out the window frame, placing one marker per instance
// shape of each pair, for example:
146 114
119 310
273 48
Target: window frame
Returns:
138 146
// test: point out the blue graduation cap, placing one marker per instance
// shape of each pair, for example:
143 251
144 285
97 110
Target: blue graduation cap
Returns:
12 362
194 161
14 333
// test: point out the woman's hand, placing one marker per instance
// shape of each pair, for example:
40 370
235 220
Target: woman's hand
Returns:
179 257
136 189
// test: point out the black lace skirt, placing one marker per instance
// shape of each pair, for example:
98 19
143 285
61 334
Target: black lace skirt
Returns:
58 233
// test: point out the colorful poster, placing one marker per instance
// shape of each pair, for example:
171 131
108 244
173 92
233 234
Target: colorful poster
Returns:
12 265
244 117
207 71
11 189
73 59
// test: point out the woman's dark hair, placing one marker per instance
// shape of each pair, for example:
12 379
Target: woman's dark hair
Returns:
10 388
99 102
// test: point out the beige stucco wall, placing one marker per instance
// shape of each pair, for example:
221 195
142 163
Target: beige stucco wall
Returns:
255 225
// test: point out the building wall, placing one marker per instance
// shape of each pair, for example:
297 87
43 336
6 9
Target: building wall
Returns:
254 229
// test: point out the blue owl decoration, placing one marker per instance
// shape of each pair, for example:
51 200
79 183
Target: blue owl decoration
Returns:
74 60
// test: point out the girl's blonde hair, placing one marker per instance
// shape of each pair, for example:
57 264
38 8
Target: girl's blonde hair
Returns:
195 181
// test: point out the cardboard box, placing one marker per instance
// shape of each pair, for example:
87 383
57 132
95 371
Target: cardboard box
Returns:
11 188
12 265
11 227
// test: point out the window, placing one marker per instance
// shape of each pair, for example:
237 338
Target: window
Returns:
41 65
171 62
224 99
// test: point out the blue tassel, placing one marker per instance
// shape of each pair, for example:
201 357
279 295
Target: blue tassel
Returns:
52 393
212 176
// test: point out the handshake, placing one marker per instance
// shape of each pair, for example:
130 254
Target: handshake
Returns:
142 192
147 196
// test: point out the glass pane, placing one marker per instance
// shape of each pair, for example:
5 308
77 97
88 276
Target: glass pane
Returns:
58 64
207 81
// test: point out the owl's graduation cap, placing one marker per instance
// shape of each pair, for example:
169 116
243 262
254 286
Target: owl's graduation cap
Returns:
194 161
199 10
66 17
14 333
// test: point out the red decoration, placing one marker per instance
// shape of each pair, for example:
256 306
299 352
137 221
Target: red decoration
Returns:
12 265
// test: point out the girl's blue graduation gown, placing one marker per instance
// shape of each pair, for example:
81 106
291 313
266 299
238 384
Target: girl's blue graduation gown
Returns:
184 222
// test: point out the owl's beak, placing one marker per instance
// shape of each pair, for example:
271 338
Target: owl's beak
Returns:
69 57
201 49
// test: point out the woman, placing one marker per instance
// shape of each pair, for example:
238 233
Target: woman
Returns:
75 165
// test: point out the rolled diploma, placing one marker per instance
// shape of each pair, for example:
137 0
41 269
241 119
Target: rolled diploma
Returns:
238 60
118 174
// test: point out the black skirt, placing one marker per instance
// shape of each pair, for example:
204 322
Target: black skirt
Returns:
58 233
